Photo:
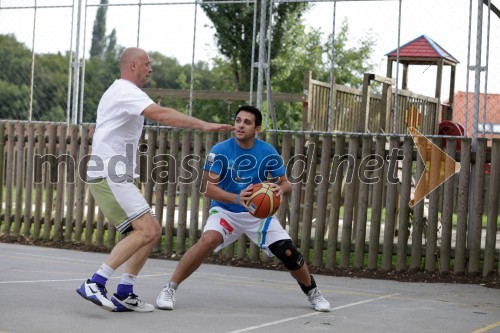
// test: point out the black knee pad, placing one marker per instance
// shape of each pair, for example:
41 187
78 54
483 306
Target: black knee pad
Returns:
287 253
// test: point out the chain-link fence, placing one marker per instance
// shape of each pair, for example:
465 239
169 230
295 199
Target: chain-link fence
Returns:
314 68
58 57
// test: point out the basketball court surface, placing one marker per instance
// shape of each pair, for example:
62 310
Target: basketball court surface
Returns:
38 285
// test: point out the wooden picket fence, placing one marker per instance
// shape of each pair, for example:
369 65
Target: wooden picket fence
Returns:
334 220
418 111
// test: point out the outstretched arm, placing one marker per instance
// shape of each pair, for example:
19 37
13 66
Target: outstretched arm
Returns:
174 118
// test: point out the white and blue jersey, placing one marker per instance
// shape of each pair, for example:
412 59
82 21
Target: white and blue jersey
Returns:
237 167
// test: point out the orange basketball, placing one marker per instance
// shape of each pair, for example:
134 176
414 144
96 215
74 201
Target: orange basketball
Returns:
263 202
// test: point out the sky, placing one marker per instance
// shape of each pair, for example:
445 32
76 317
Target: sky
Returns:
444 21
168 27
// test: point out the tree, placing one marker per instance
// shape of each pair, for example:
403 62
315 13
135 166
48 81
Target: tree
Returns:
302 53
293 51
169 74
234 32
99 32
103 66
350 62
51 87
112 43
15 61
13 101
305 51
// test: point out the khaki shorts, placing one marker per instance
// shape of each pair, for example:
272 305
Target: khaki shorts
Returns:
120 202
231 226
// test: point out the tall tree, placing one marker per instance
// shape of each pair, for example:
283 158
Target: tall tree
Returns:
99 32
350 62
234 32
305 51
49 86
15 61
111 44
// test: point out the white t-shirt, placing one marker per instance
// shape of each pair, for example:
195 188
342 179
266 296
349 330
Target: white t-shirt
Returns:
119 127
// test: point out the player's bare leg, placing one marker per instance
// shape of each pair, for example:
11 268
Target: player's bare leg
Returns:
136 246
189 263
133 250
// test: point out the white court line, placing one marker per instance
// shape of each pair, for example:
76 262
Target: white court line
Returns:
64 280
291 282
145 268
313 313
45 256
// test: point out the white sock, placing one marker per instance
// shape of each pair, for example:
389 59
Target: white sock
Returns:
128 278
105 271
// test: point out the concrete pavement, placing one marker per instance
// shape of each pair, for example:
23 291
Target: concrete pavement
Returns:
38 285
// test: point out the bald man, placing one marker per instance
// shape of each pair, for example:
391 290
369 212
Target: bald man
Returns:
110 176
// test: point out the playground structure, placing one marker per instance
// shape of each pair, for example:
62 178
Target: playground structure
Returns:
360 111
392 111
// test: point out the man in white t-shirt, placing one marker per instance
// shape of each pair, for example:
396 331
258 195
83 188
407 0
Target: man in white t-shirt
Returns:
111 173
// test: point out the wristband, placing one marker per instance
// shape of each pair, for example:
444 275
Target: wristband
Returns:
238 199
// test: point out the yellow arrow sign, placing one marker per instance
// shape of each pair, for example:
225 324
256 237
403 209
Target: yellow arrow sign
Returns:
443 166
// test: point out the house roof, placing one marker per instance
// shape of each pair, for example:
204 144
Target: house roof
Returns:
422 47
463 111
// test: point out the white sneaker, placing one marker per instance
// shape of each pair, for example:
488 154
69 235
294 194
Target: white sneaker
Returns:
318 302
130 303
166 298
95 293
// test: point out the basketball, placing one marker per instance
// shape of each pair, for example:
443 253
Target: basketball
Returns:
263 202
